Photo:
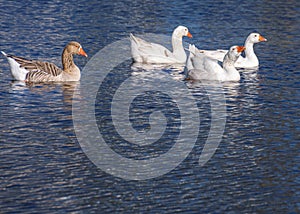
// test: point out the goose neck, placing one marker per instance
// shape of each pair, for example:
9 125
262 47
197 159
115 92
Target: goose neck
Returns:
249 51
67 60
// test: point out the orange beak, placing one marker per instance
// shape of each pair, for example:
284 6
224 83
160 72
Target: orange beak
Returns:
189 35
82 52
262 39
240 48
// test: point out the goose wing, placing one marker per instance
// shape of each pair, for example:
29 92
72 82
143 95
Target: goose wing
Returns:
142 50
37 70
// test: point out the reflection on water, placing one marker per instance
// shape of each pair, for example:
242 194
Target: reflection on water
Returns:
255 168
143 70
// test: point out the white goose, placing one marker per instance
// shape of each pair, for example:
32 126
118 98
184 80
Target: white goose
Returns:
152 53
201 67
36 71
249 61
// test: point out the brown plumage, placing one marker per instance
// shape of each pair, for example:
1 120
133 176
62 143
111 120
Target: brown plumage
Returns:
37 71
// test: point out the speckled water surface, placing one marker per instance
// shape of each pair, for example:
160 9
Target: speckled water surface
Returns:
255 169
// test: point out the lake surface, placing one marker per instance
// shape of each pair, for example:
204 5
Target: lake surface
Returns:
46 167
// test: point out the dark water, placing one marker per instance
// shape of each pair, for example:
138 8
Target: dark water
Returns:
256 168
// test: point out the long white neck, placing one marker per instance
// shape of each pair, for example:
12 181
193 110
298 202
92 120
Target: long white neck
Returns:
230 72
178 50
249 52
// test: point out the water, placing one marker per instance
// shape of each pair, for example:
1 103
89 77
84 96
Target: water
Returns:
255 169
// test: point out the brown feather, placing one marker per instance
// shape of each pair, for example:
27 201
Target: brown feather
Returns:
44 71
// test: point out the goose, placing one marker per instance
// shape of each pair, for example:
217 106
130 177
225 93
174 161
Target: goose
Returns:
37 71
249 61
152 53
201 67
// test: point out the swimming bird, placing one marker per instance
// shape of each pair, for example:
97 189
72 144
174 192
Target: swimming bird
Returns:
201 67
37 71
249 61
152 53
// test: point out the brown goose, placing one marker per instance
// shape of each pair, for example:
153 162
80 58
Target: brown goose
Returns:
37 71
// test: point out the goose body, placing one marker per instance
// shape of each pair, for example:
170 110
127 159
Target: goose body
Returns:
201 67
152 53
249 61
37 71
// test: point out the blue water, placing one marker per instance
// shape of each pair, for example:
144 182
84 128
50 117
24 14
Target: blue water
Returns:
256 167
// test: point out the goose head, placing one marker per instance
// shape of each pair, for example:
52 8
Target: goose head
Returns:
256 38
75 48
181 31
234 53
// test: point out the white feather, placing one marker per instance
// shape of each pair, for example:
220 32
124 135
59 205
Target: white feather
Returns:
17 72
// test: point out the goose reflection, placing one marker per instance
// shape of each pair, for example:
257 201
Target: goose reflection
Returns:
176 71
51 91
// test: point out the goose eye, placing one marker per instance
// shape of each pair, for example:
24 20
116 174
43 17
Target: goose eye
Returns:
185 29
255 35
